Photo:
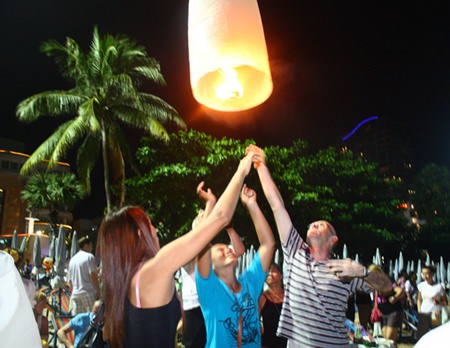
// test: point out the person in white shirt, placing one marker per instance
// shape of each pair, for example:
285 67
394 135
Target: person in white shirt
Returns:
430 300
83 278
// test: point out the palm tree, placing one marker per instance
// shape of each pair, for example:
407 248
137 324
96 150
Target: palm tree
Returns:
104 99
53 191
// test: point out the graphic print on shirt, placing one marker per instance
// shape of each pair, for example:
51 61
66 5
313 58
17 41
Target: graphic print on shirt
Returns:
249 323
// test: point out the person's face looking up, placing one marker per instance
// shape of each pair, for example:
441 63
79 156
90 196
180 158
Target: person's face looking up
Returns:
319 233
223 255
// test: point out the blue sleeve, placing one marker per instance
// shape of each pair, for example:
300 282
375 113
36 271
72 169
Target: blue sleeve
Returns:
254 275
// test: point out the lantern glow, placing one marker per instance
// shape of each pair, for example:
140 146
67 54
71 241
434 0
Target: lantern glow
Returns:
229 65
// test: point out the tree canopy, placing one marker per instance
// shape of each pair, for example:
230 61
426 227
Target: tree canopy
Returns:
105 99
339 187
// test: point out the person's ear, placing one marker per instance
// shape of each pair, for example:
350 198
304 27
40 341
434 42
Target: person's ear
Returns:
335 239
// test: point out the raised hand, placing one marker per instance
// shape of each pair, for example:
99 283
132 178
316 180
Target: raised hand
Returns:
248 196
246 162
205 195
259 157
346 268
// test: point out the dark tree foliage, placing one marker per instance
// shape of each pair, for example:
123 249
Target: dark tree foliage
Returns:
339 187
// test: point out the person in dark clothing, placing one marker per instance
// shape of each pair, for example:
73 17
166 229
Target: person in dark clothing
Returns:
270 304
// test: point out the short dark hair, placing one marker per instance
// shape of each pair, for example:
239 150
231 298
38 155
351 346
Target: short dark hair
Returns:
430 267
83 241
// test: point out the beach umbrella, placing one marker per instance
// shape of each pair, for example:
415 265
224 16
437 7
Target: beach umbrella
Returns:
15 240
442 270
52 247
419 271
74 246
276 258
23 245
448 272
400 262
60 257
344 252
395 273
411 267
37 259
378 257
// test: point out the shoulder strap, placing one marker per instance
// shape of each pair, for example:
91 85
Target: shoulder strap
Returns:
138 277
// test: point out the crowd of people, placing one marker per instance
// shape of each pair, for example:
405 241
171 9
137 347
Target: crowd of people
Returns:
302 303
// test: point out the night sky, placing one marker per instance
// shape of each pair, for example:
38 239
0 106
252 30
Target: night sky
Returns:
334 63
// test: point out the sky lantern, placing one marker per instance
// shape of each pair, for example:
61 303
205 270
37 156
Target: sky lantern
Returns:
228 59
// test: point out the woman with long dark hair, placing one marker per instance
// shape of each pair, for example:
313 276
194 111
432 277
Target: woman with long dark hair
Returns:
138 287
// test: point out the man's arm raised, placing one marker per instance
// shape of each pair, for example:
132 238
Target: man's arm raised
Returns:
273 196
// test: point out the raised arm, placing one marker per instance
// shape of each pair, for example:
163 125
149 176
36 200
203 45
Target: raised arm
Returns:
273 196
235 241
263 230
183 249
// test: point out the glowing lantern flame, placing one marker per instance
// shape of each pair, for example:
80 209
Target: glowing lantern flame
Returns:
230 88
229 65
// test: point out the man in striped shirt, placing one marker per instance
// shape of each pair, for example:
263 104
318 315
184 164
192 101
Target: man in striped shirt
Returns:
317 288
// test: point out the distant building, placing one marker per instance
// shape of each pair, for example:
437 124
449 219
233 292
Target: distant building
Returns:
13 210
384 141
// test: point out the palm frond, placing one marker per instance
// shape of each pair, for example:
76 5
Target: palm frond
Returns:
49 103
160 109
69 58
138 119
94 56
44 151
75 130
86 111
87 156
119 87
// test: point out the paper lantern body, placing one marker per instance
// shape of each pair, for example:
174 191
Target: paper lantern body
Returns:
229 65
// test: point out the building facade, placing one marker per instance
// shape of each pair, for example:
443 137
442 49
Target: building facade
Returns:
13 211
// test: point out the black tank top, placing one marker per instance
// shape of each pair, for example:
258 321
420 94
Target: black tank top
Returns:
152 327
271 315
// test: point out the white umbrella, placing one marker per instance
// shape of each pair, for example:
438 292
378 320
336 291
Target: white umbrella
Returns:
400 262
37 259
52 247
395 270
419 271
344 252
15 240
357 258
442 270
448 271
60 264
411 267
390 269
428 262
276 258
378 257
23 245
74 246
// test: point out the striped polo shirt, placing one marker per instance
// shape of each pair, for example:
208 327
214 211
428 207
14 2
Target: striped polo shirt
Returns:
313 313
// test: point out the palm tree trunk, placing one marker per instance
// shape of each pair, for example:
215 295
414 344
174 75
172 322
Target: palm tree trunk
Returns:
106 170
